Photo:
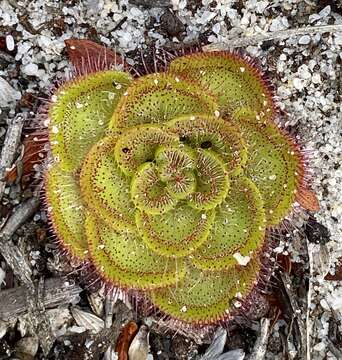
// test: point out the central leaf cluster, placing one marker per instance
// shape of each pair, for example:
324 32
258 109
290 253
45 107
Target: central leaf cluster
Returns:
168 166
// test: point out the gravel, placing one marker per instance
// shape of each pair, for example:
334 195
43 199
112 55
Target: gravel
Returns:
306 72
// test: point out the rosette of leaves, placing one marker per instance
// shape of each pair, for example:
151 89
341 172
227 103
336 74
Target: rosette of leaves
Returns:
166 183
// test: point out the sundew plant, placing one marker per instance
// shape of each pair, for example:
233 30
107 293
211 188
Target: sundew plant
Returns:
168 183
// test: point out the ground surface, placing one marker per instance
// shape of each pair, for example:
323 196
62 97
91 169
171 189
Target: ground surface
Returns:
303 301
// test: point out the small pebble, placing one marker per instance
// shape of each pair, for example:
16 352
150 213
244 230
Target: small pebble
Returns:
325 11
303 72
280 23
304 40
316 78
171 24
30 69
9 42
7 93
299 84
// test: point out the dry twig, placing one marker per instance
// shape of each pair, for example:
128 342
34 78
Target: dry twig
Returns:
57 292
9 149
279 35
308 306
296 322
260 345
13 255
337 353
38 322
19 216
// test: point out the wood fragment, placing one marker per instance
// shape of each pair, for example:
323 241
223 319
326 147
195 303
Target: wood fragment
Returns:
8 95
284 342
332 348
260 345
239 42
92 346
96 303
151 3
38 322
109 310
138 349
308 320
298 325
15 255
57 292
27 347
33 153
19 216
216 348
17 261
87 320
9 149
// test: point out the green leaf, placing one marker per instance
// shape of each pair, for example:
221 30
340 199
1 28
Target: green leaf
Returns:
215 134
239 229
206 297
212 181
273 164
66 210
175 166
149 193
124 260
176 233
105 189
157 98
234 80
80 112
